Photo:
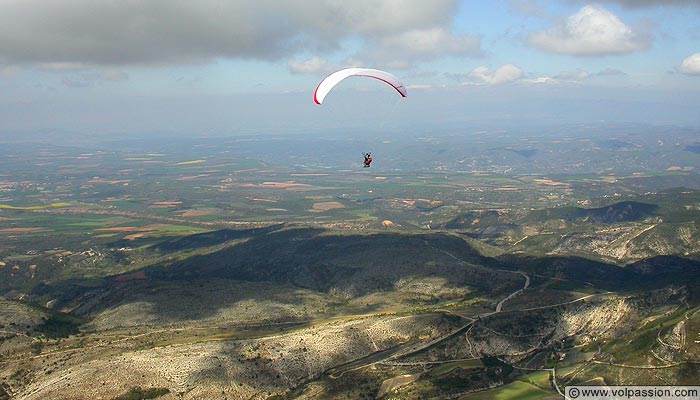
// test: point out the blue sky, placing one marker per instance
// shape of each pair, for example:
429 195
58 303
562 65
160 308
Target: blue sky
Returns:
228 67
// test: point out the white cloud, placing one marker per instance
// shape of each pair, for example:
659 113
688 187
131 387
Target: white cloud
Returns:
77 32
419 87
592 31
313 65
691 65
510 73
562 78
503 74
541 80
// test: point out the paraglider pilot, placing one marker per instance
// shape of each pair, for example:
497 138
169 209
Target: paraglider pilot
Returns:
368 159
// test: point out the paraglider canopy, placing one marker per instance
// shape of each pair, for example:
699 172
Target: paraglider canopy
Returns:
335 78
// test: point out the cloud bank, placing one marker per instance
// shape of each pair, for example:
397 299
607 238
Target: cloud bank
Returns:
118 33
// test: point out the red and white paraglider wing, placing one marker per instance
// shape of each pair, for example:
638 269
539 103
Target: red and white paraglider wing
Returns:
335 78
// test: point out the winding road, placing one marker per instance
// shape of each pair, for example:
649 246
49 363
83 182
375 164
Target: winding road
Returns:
387 355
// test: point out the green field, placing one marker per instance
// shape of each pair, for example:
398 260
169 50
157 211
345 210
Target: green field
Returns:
31 208
513 391
539 379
